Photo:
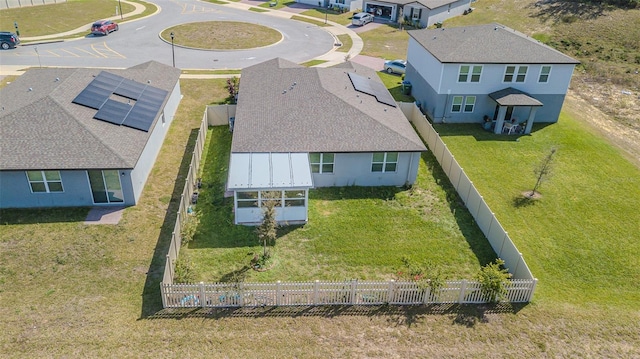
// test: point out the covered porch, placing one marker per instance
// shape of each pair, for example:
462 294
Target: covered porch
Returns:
284 178
508 99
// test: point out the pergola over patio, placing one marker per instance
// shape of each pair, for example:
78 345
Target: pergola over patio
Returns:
511 97
256 178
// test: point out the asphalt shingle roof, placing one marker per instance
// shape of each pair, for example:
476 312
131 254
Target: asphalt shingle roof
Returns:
489 43
42 129
284 107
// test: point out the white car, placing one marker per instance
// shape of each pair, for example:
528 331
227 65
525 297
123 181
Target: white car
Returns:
395 66
361 18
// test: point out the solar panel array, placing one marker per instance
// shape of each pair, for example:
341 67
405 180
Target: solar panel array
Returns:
373 88
147 101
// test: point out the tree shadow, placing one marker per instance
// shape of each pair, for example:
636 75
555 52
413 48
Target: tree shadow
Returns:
555 11
522 201
151 298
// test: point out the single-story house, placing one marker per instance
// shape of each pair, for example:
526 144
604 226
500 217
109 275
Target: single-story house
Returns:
83 137
487 73
420 13
298 128
345 5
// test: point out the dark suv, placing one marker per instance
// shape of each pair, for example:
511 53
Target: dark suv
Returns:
8 40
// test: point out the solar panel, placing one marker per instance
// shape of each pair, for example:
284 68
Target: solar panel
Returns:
130 89
140 115
373 88
113 112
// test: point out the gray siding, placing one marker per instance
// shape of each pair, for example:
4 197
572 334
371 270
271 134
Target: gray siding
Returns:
354 169
15 191
148 157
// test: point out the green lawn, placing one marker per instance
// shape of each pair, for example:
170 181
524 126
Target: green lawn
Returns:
330 15
386 41
582 238
64 16
353 232
230 35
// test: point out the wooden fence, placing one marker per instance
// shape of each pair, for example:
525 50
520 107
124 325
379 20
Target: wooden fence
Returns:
190 188
354 292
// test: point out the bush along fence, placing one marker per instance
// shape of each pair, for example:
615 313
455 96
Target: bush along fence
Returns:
520 289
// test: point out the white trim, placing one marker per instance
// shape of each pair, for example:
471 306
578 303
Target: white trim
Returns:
44 181
548 74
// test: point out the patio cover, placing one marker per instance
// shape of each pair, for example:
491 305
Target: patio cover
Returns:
514 97
269 170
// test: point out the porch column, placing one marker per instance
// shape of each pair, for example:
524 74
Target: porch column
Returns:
532 115
500 120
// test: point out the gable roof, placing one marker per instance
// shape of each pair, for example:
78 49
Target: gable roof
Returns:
489 43
284 107
429 4
42 129
514 97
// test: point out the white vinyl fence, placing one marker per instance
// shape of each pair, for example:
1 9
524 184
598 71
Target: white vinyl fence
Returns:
211 295
220 295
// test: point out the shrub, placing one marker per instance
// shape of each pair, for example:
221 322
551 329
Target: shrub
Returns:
190 228
493 279
184 271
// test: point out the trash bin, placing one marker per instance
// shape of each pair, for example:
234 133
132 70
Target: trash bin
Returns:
406 87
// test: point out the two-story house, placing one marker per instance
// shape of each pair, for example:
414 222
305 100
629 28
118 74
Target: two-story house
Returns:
469 74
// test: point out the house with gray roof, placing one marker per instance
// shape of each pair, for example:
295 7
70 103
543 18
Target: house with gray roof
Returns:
298 128
83 137
420 13
487 73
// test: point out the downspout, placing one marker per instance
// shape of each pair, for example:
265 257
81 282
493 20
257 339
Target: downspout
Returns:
409 169
446 104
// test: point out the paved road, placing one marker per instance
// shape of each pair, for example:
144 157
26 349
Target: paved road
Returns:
138 41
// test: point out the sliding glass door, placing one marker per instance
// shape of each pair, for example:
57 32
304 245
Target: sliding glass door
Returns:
105 186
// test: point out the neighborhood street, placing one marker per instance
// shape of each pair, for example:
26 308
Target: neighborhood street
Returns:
138 41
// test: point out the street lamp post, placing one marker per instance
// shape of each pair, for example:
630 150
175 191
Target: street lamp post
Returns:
173 53
120 6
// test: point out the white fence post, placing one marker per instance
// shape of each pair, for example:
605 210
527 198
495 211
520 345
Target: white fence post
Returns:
390 291
352 296
463 288
315 292
278 289
168 265
203 298
163 295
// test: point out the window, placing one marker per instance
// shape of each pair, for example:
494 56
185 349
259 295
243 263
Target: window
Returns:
384 162
456 104
45 181
469 73
544 74
294 198
416 13
519 73
247 199
105 186
469 103
321 162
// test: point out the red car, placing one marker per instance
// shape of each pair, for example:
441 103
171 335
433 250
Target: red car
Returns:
103 27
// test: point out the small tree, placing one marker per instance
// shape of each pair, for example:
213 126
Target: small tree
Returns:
543 171
423 274
493 279
190 228
233 86
268 230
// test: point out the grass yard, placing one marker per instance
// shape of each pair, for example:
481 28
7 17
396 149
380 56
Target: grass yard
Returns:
387 42
68 289
582 238
64 16
337 17
352 232
230 35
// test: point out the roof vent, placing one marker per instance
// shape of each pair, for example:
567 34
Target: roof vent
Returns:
495 28
148 81
434 37
30 89
57 79
284 92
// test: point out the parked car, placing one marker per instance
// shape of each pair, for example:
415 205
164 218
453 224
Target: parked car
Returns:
8 40
361 18
103 27
395 66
